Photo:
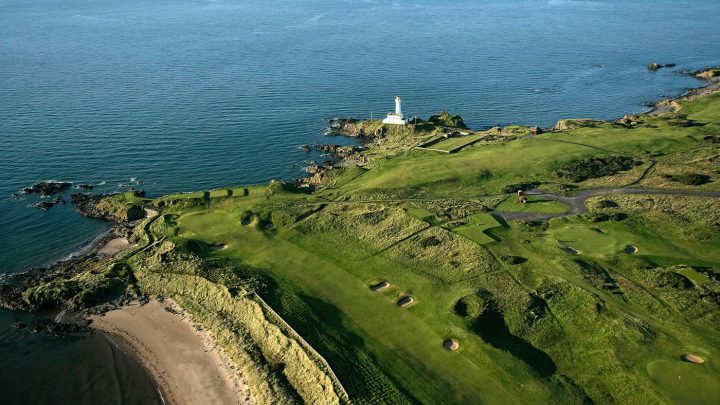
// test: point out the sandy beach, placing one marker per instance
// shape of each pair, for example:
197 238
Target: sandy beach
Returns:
113 246
188 366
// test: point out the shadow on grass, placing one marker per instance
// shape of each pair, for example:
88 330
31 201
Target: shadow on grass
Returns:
491 327
323 326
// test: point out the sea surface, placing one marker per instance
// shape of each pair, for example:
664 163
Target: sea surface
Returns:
186 95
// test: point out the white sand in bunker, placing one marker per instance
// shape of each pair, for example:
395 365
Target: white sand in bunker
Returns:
691 358
631 250
383 285
451 344
405 301
188 366
114 246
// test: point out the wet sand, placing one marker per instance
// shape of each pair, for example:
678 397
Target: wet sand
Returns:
188 366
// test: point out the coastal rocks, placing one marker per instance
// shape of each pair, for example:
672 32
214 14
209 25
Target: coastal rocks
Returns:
48 188
356 129
98 206
85 186
344 126
657 66
339 150
50 327
46 205
445 119
64 323
566 124
708 74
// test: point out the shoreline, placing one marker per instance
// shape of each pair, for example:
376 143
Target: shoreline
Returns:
184 360
712 84
140 327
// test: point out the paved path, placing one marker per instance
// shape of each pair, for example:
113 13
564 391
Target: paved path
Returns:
577 202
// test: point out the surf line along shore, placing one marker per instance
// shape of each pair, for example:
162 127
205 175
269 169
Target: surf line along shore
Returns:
186 363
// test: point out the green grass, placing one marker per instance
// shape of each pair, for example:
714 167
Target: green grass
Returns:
535 324
422 214
456 142
693 275
535 159
409 348
592 240
684 382
533 204
477 228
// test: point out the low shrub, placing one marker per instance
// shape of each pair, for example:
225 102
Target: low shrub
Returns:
691 179
594 167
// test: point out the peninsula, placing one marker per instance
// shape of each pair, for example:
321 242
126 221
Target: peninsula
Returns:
436 264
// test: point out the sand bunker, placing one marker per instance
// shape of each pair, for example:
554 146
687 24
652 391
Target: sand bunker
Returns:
451 344
218 246
269 225
631 250
691 358
380 286
405 301
114 246
245 222
569 250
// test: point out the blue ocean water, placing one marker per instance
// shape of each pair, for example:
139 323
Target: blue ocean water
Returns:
192 94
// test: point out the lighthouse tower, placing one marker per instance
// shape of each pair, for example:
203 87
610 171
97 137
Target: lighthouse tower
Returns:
396 118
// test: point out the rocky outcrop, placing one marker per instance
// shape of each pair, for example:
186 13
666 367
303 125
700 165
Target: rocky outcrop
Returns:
708 74
445 119
565 124
357 129
338 150
657 66
48 188
102 207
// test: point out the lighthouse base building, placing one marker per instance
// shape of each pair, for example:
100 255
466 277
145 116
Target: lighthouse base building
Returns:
395 118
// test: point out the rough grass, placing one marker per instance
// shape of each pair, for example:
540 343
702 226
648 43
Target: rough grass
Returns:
600 326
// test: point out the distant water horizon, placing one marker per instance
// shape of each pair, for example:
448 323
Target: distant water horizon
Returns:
189 95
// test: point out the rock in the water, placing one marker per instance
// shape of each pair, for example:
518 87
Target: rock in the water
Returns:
46 188
656 66
86 186
44 205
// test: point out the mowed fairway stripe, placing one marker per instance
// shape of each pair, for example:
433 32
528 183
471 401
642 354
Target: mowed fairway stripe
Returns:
416 347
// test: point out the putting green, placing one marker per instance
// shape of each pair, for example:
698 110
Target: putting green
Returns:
422 214
477 227
685 382
533 204
591 240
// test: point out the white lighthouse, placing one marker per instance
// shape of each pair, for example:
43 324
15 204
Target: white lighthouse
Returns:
395 118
